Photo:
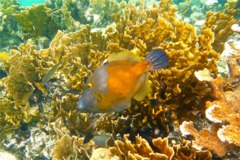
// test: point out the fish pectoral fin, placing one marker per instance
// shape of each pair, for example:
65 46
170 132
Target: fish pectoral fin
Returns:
122 104
143 90
88 137
124 55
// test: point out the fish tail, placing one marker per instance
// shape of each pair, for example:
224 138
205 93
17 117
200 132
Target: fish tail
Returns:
157 59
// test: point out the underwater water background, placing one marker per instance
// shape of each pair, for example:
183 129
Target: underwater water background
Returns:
30 2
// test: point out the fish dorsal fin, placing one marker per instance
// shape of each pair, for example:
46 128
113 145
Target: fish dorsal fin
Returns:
124 55
143 90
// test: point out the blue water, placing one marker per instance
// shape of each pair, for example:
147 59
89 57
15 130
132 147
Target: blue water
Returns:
30 2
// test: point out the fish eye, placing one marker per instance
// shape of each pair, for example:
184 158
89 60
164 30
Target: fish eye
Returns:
89 85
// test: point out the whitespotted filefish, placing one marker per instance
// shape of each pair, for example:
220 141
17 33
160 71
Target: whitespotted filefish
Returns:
111 87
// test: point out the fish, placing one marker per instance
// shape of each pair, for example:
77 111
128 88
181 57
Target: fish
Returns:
88 137
40 87
46 78
100 140
125 76
55 10
4 56
184 11
163 89
50 73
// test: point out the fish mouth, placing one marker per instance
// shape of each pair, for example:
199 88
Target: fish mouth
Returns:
87 102
81 104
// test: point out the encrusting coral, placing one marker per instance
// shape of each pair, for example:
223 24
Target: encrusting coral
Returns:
223 111
204 139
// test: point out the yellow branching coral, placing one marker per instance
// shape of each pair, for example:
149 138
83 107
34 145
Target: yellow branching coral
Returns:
186 151
89 46
160 150
142 30
23 71
27 67
73 119
127 150
35 22
15 106
60 128
151 117
21 74
162 145
103 9
103 154
9 119
68 147
220 24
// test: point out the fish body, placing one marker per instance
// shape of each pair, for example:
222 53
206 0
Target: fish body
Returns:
102 140
111 87
50 73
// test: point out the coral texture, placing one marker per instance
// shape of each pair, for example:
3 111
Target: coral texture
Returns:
160 150
36 22
223 111
220 24
44 81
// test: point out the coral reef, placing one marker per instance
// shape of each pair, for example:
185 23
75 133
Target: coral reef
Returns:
95 12
30 143
103 10
204 139
43 82
160 28
75 146
68 14
220 24
68 147
194 11
36 22
102 154
10 37
160 150
223 111
27 67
